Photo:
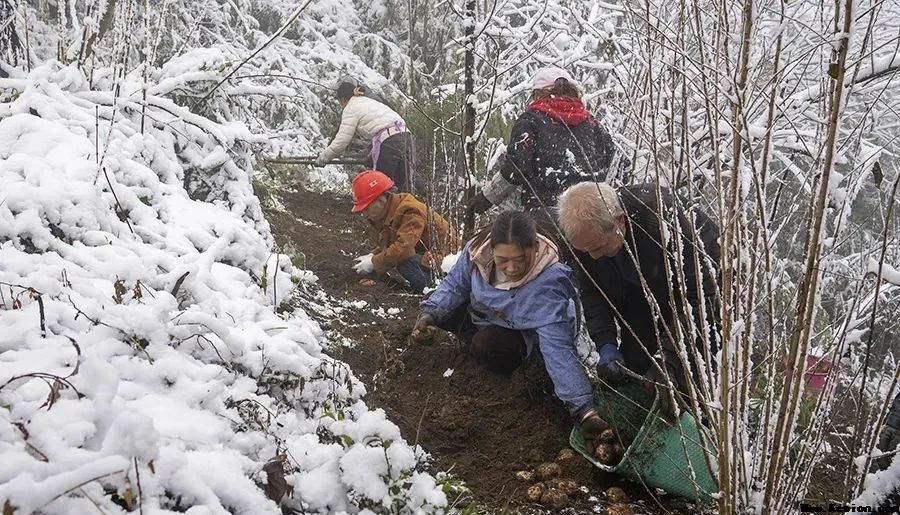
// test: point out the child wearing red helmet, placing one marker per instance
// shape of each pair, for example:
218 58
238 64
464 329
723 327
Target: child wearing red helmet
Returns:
409 236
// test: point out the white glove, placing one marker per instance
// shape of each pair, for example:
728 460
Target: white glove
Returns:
364 265
322 159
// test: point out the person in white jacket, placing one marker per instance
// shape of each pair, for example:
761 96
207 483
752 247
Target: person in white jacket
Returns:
375 121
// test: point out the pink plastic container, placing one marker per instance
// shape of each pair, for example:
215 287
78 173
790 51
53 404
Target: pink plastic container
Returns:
816 373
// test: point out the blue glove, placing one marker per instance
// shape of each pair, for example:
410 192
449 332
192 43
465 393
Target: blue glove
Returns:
609 368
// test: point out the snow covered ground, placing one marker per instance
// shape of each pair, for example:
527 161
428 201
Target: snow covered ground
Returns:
143 360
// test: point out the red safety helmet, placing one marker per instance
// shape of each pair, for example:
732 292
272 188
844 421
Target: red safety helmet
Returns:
368 185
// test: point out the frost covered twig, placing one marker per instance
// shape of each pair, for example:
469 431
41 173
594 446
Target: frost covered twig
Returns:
262 47
38 296
120 211
862 424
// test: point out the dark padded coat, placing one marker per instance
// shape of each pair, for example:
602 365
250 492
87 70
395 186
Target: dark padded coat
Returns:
555 144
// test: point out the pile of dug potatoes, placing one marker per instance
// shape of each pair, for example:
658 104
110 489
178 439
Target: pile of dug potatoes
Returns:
551 490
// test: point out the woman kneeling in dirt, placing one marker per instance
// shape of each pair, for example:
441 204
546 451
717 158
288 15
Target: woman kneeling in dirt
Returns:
507 293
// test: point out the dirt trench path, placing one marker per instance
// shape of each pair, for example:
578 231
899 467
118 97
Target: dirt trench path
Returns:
481 427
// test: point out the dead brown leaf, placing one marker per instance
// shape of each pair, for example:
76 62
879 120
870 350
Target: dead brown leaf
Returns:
119 291
128 497
276 486
54 393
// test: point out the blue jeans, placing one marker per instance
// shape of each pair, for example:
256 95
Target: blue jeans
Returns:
413 271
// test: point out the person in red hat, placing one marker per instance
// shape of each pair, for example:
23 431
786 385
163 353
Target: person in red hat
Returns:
409 236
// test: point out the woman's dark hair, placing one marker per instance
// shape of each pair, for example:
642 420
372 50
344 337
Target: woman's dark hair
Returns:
564 88
515 228
346 90
561 88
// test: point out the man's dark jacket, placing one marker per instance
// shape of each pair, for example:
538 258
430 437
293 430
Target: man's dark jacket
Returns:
618 278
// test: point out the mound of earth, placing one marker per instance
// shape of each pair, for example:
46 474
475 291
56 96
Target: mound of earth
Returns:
482 427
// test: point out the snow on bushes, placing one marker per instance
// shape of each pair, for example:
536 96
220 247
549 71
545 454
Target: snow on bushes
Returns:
879 485
142 360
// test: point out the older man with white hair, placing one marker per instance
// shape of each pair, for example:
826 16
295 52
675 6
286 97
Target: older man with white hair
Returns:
639 286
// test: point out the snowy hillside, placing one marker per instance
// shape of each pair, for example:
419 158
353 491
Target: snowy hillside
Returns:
142 360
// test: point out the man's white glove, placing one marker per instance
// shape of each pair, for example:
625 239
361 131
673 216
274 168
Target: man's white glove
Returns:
322 159
364 265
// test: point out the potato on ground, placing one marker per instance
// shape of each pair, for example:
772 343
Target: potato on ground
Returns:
534 492
548 470
555 498
616 495
566 455
619 509
566 486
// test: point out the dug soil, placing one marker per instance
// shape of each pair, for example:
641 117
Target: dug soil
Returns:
482 428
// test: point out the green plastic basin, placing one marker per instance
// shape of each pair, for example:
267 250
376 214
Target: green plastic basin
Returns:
661 455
